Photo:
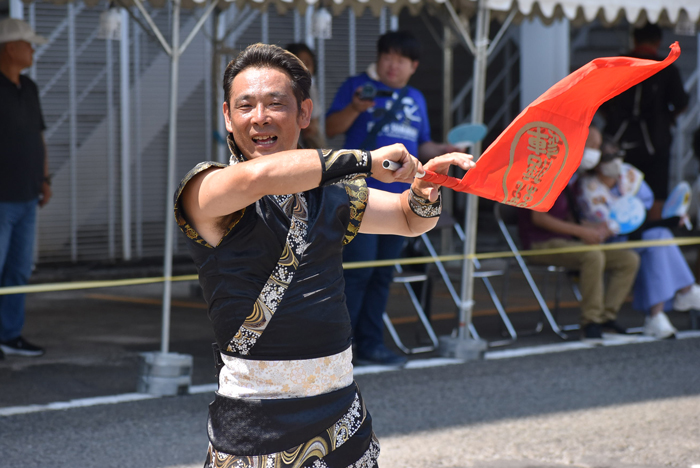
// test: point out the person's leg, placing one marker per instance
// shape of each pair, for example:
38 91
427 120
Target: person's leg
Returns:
621 267
370 326
18 249
7 216
663 271
362 248
590 265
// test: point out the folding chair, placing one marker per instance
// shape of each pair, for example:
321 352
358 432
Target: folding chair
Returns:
407 279
446 221
507 216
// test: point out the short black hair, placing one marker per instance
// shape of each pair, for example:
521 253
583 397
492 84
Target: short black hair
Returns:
650 33
298 47
401 42
270 56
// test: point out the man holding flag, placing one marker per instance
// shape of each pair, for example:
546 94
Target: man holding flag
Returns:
267 231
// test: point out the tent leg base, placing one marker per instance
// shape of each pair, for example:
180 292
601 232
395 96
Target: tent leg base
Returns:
468 349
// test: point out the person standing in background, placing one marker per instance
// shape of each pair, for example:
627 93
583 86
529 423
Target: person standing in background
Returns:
311 136
375 109
24 177
640 119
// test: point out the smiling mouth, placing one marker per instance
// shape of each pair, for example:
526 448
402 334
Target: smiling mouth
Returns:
265 140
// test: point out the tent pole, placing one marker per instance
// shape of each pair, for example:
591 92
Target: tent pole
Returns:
465 346
125 114
472 209
17 9
172 141
471 216
448 196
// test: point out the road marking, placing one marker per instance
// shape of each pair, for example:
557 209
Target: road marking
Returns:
364 370
80 403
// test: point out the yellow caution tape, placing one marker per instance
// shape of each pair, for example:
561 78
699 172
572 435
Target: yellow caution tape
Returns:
71 286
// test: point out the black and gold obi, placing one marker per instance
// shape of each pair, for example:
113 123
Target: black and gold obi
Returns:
275 292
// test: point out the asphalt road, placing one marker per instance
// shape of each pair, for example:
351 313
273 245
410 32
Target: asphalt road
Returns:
636 405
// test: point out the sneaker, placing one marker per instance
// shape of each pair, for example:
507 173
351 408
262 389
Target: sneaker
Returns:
592 333
659 327
20 347
683 302
380 356
614 326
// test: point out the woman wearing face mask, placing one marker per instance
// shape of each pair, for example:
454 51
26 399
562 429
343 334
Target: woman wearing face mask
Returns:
561 227
664 281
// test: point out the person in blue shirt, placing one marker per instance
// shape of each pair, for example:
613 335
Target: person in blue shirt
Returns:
375 109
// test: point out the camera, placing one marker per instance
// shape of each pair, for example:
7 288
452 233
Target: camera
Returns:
368 92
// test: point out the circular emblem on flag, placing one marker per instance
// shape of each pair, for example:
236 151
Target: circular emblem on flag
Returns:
537 155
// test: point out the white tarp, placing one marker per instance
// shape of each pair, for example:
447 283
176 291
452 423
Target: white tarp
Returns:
608 11
579 11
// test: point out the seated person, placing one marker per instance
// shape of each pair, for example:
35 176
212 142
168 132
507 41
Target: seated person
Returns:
560 227
663 272
694 208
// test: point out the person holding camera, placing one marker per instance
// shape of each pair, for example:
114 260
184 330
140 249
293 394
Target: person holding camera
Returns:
375 109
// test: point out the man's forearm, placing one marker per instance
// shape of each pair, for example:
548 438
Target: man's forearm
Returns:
230 189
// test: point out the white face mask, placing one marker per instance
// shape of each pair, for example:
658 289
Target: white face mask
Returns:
611 168
591 158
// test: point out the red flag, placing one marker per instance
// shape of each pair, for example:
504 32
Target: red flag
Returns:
531 162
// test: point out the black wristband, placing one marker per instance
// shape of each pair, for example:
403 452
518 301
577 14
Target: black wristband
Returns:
344 165
423 207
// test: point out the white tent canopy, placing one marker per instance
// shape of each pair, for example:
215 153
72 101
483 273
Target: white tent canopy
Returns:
608 11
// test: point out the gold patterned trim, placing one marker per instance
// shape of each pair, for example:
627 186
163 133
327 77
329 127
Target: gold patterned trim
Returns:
358 193
182 223
344 165
316 448
276 286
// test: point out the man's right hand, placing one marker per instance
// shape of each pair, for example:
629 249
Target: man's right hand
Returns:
397 153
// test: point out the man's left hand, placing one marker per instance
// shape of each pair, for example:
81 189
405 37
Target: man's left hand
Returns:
440 165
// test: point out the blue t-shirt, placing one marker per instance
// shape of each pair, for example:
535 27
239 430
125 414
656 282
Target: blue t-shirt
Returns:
411 127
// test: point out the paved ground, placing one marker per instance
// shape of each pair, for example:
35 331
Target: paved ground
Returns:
636 405
624 406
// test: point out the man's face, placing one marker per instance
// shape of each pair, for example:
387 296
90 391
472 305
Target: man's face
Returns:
21 53
395 70
262 112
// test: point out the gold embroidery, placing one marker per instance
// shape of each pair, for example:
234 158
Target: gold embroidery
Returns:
276 286
358 193
182 223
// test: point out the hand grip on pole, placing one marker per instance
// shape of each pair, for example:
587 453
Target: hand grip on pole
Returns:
430 176
393 166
